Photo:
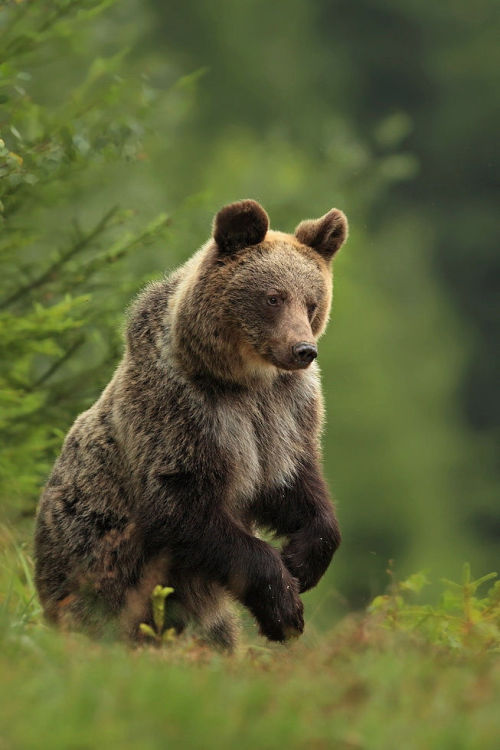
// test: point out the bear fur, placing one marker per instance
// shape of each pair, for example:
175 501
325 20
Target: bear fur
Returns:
208 431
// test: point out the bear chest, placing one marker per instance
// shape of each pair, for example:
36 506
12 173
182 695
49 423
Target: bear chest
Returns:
260 443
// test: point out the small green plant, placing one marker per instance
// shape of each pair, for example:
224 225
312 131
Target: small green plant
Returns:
462 619
158 633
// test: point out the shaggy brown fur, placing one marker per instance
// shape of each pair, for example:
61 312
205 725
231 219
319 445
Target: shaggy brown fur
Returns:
208 429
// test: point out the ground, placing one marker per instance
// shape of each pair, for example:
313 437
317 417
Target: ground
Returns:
364 684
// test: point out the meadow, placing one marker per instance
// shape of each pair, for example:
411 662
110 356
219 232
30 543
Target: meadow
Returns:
402 674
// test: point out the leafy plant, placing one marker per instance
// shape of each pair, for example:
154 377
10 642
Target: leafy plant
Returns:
463 619
159 634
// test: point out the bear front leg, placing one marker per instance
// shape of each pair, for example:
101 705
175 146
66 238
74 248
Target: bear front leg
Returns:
272 596
202 539
302 512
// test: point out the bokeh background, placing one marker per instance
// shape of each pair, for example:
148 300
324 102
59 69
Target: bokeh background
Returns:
123 133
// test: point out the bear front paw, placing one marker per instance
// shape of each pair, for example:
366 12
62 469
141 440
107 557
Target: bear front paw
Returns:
278 609
308 554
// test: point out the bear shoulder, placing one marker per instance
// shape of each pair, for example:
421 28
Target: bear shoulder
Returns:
146 315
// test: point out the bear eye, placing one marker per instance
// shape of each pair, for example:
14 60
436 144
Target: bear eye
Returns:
273 300
311 309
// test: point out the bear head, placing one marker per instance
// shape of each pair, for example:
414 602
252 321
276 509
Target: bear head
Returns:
253 302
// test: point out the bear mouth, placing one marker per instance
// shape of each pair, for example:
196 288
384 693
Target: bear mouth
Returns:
290 364
280 357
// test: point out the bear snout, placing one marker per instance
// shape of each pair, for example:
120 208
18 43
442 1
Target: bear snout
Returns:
304 353
290 356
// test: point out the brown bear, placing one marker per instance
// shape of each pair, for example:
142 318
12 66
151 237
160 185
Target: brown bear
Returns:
208 431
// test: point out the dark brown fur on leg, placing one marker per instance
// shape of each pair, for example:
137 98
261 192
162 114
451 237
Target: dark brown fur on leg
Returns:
211 547
304 513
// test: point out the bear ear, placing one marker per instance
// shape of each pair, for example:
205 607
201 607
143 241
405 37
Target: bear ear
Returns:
239 225
325 235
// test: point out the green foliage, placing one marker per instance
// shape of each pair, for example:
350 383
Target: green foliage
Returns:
159 634
20 610
51 154
463 620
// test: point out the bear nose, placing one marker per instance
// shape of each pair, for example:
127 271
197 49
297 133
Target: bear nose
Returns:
305 352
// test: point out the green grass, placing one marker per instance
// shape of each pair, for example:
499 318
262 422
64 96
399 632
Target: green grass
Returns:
402 675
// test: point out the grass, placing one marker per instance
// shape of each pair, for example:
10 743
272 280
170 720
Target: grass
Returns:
402 675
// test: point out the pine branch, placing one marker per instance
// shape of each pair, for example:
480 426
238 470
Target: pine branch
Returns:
57 364
74 250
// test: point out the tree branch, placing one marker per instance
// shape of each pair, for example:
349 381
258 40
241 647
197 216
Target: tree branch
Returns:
57 364
76 248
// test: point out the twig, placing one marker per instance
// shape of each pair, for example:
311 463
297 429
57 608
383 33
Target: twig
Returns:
57 364
45 276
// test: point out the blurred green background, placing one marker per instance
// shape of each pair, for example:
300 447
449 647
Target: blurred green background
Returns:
126 126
